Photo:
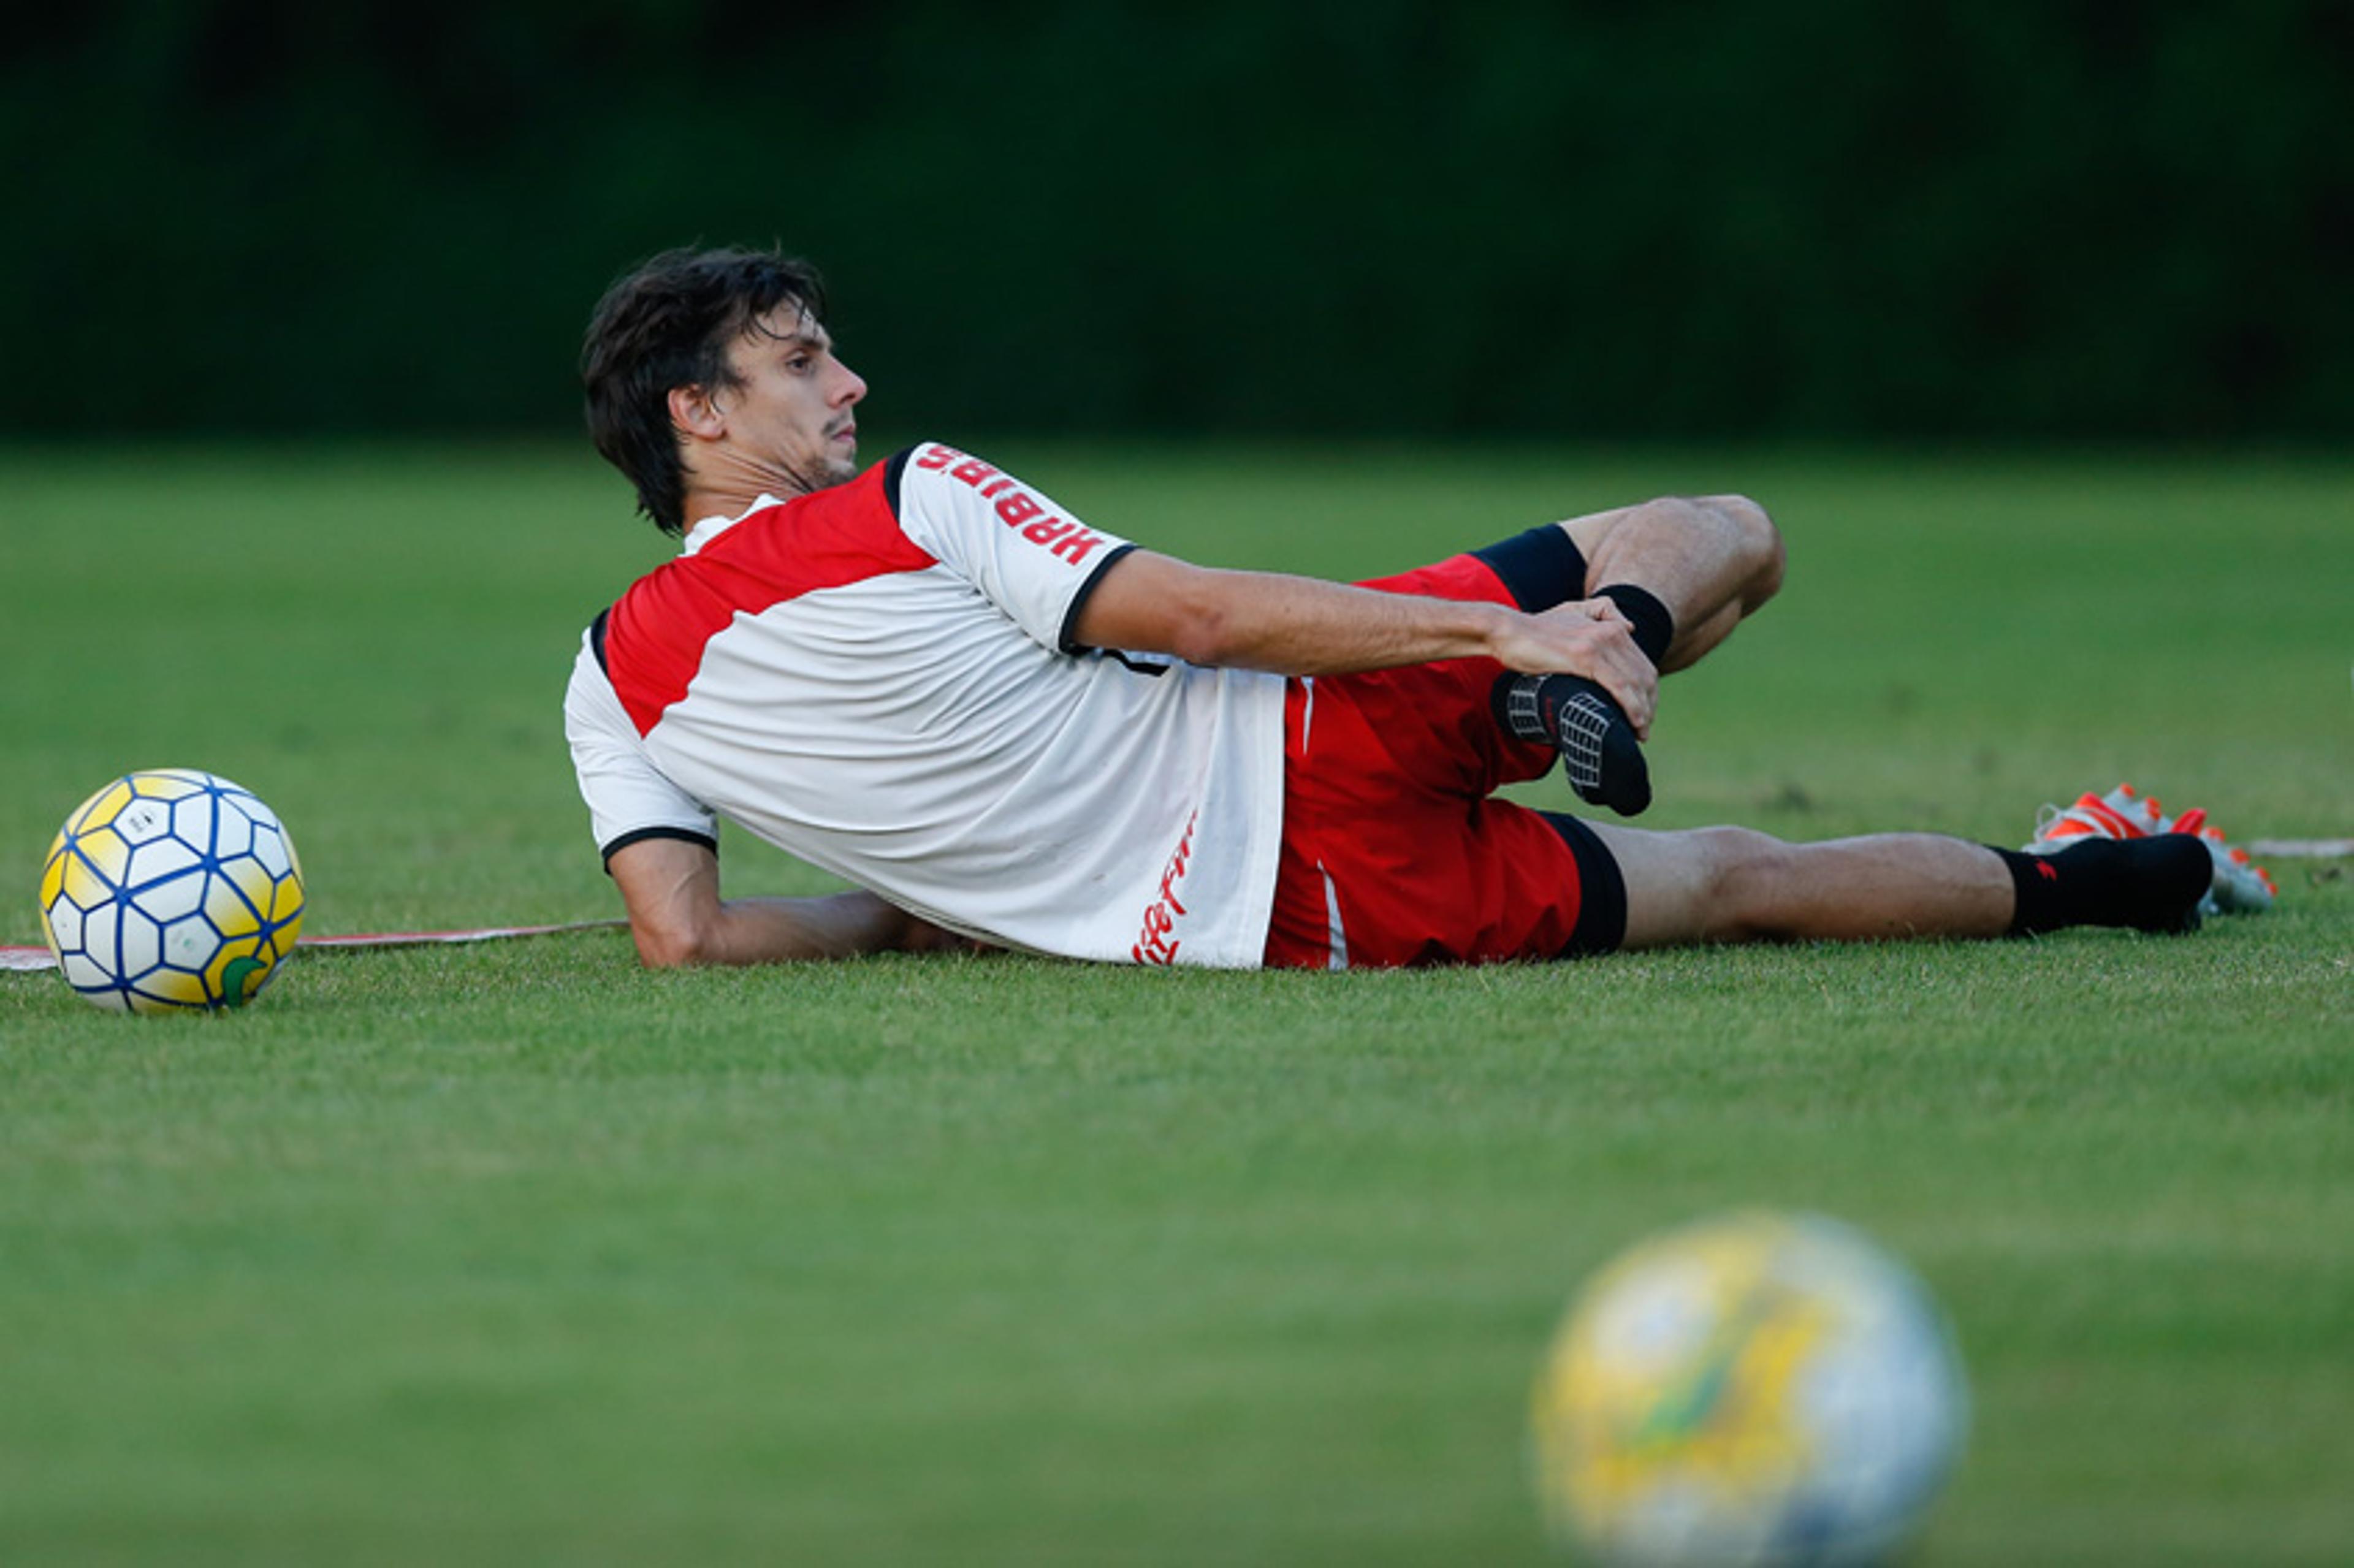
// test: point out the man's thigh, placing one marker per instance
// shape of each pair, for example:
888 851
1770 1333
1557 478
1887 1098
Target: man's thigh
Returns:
1437 882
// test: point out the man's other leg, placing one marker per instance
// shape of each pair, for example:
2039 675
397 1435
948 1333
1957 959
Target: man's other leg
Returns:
1708 561
1732 885
1684 572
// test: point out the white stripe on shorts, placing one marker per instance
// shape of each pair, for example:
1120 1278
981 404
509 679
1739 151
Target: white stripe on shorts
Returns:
1337 938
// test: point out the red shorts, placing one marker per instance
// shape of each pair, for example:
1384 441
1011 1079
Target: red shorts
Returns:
1393 854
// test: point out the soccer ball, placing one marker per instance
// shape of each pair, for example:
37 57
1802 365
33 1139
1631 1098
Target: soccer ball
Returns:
1764 1389
171 889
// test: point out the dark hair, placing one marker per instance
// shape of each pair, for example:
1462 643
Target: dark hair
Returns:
669 323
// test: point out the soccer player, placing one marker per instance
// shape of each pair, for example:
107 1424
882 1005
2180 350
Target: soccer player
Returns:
1007 726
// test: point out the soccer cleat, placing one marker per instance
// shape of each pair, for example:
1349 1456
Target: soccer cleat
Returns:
2242 887
2119 814
2239 886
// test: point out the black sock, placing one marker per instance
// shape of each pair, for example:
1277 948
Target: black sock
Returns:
1579 719
2150 884
1654 626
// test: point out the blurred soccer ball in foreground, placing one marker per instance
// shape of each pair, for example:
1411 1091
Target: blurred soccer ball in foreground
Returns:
171 889
1762 1388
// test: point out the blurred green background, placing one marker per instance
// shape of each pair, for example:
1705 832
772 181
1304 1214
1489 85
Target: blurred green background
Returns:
1829 219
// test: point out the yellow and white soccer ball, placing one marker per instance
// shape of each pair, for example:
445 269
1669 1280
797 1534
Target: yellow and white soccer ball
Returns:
1764 1389
171 889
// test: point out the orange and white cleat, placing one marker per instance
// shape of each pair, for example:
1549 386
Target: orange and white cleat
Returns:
2119 814
2242 887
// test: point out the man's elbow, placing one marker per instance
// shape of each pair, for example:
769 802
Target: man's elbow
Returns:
672 948
1198 623
1205 634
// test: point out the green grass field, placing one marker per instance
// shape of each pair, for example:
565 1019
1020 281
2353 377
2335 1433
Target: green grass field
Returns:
519 1253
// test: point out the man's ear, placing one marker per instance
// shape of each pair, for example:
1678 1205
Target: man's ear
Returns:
693 411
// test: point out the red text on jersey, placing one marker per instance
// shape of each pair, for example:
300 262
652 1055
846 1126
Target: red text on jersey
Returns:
1158 943
1016 508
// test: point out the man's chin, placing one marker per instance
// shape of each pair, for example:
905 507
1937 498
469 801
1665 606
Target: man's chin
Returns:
833 468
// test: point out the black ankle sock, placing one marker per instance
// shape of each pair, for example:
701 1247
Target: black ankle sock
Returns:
1655 628
2150 884
1580 720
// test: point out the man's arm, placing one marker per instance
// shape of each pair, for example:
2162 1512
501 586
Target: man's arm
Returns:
671 888
1304 626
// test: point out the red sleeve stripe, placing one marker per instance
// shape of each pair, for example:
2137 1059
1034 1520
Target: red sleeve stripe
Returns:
655 635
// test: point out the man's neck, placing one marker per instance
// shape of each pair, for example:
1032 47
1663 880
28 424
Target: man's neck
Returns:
730 501
728 486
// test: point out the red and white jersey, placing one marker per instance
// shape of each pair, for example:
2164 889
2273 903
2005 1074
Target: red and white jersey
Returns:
879 678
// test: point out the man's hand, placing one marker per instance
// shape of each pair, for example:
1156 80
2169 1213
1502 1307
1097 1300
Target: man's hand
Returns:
1590 637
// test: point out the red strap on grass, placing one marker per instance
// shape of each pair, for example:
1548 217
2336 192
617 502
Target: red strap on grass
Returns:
29 958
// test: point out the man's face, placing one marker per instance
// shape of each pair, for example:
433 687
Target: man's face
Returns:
788 415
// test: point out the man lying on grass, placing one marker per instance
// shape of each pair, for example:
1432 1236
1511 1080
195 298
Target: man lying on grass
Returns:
1007 726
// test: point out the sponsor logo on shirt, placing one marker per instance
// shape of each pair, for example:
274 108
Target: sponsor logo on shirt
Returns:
1016 508
1158 942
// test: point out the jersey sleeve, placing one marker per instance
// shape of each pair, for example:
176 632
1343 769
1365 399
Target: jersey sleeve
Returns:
1032 558
628 798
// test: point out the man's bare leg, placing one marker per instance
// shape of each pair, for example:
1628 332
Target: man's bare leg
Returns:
1711 560
1733 884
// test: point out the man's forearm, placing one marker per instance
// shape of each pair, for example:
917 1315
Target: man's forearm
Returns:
1303 626
843 926
671 888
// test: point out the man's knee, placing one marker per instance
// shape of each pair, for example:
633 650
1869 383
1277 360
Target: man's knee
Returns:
1747 872
1759 544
